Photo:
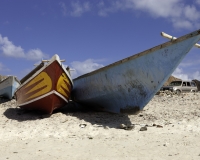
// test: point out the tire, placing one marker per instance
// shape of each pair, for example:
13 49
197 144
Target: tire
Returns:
178 92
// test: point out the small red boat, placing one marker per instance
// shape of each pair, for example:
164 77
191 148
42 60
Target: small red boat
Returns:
45 88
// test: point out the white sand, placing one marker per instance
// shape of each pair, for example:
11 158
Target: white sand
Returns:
173 132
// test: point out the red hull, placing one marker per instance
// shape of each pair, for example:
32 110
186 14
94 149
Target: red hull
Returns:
48 89
47 104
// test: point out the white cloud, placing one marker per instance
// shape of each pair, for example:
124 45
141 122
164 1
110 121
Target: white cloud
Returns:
115 6
191 12
156 8
182 23
198 2
84 67
76 9
180 14
35 54
63 8
178 73
8 49
177 12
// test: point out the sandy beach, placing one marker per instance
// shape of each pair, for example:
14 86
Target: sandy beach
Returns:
167 128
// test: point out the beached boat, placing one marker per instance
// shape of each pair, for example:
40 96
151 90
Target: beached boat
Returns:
45 88
8 86
129 84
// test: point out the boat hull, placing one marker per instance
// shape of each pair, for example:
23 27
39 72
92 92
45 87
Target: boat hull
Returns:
47 103
129 84
8 86
48 89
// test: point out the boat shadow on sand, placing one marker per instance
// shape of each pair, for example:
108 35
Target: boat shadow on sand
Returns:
24 115
92 116
3 100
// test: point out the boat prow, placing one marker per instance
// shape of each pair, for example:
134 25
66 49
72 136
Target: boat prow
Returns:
132 82
45 88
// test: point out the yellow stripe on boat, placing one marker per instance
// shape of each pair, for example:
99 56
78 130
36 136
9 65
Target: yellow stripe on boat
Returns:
46 84
63 79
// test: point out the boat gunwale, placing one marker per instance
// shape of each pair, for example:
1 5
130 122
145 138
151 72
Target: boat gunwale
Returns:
1 80
6 79
17 80
13 78
54 58
26 77
140 54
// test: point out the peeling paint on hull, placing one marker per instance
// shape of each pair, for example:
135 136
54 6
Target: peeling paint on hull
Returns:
131 83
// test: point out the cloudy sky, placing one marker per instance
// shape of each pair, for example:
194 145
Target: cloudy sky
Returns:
90 34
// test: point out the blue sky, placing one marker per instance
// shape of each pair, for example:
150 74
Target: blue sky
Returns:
90 34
